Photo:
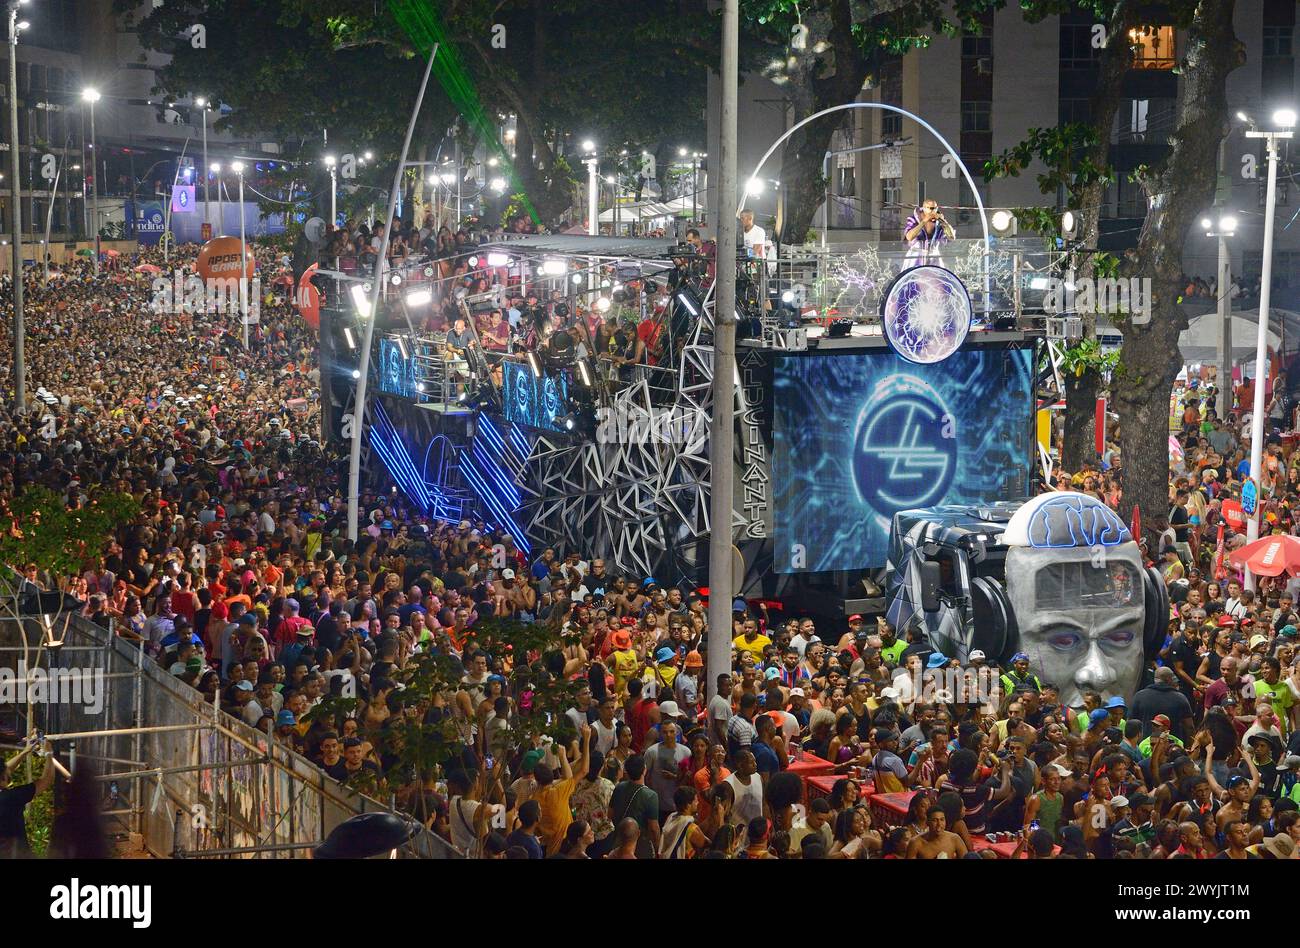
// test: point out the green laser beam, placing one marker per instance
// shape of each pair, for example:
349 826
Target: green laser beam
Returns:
419 21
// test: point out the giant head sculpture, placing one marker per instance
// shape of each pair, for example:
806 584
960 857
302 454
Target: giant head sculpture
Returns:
1085 609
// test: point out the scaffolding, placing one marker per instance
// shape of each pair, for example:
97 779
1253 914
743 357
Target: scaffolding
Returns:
185 776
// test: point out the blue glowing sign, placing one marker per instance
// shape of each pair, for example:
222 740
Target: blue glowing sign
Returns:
926 314
534 402
905 449
1249 497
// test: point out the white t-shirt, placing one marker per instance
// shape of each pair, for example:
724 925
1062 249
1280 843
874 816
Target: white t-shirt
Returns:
756 243
719 712
462 812
749 799
606 737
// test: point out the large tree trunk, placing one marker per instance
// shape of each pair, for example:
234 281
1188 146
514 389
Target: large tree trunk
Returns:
1079 443
1178 191
817 81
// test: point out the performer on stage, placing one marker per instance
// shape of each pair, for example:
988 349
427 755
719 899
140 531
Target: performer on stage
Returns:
926 229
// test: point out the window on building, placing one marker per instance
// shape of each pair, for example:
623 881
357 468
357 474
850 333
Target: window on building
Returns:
1153 47
891 125
1077 51
976 116
967 212
1277 40
976 46
891 206
1074 110
847 185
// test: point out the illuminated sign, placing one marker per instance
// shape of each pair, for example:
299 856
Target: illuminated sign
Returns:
905 448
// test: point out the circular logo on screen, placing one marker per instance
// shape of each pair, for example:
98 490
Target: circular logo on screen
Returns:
926 314
550 398
904 446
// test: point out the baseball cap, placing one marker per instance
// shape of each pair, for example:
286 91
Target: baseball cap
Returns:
507 574
976 656
1119 800
1116 702
798 693
1161 719
670 709
248 618
285 717
770 674
1289 631
530 761
244 685
1260 736
889 692
1226 620
694 660
1282 846
1236 780
856 618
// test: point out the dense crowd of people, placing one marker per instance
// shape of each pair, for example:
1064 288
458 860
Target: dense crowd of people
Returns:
605 738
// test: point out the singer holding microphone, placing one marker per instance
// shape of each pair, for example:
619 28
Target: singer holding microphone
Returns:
925 230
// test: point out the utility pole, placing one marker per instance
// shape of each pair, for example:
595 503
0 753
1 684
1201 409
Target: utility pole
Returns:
207 213
92 96
721 433
1286 119
15 203
377 286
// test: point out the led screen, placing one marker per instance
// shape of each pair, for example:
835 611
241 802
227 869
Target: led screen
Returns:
859 436
531 401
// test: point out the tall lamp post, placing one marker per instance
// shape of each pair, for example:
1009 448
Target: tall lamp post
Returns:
238 168
1225 227
91 96
1284 119
16 26
215 168
207 213
332 164
593 186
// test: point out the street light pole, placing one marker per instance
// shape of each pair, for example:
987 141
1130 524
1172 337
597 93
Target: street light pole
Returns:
238 168
1285 118
593 191
1225 228
215 168
16 274
207 212
92 96
722 585
331 163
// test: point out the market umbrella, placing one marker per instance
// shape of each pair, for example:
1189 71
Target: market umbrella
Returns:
112 253
148 268
1269 556
85 252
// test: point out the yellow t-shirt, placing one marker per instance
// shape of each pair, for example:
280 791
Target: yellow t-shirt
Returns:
624 664
556 813
755 647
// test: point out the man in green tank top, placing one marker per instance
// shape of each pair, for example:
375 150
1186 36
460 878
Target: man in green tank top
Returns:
1047 804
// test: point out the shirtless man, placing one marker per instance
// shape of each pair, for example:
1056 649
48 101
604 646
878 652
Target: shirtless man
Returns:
937 843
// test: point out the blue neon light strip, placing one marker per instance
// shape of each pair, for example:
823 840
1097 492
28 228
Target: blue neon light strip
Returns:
508 492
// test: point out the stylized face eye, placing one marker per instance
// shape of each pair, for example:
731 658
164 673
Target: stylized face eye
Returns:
1064 640
1121 638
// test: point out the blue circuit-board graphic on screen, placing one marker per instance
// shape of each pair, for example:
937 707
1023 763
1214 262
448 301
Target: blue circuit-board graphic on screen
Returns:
531 401
396 372
858 437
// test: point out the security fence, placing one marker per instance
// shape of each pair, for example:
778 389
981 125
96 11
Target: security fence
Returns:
191 779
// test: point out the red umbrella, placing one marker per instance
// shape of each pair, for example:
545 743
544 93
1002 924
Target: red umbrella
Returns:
148 268
1269 556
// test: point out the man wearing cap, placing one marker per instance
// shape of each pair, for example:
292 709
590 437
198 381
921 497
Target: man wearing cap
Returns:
1018 676
1160 727
687 686
624 662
